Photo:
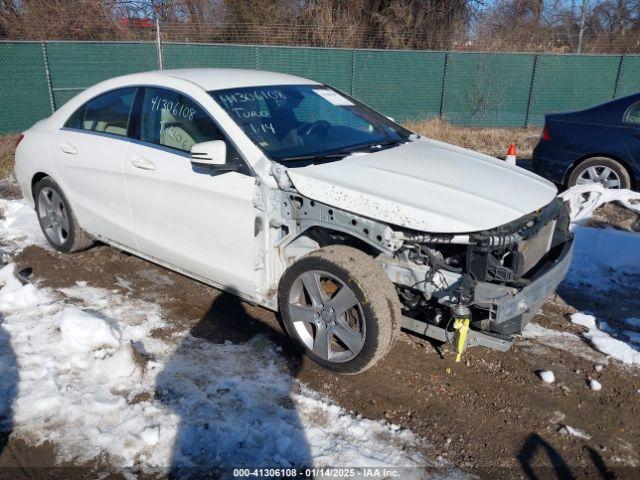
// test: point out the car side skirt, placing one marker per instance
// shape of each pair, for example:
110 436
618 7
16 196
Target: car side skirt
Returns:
248 298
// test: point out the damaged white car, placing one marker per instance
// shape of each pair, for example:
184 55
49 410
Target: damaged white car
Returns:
294 196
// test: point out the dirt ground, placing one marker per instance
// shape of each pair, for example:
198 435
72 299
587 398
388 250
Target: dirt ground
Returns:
490 414
7 147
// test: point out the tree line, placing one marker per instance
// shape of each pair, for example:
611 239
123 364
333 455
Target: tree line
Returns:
589 26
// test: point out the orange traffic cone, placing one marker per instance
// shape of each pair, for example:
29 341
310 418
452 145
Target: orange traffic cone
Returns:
511 154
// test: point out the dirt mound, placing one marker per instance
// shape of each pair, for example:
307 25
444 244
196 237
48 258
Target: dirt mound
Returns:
616 215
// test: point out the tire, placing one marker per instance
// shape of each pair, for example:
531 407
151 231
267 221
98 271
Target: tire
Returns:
606 171
57 221
321 327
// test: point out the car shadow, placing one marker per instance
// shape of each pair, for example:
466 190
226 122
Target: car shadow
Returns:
8 385
230 386
556 468
557 465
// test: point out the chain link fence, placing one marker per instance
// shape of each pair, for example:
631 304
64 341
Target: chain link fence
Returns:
464 88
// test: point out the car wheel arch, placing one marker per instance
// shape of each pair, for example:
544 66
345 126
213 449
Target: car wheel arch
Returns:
38 176
323 236
589 156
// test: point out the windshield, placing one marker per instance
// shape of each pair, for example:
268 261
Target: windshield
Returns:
298 122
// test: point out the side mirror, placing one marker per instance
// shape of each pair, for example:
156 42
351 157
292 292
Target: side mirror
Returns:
213 153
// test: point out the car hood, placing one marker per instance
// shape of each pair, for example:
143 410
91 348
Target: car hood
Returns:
426 185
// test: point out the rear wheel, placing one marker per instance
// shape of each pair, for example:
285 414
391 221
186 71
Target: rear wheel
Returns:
340 308
600 170
57 221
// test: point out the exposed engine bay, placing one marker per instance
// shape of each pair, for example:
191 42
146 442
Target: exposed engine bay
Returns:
510 256
493 278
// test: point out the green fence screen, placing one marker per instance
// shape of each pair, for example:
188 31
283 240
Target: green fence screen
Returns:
474 89
24 94
405 85
486 89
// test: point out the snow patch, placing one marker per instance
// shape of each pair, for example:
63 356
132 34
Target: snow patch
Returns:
14 295
574 432
78 375
595 385
600 336
547 376
84 332
633 322
601 254
19 225
588 321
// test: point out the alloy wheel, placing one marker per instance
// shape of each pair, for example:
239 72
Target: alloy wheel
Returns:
54 217
327 316
605 176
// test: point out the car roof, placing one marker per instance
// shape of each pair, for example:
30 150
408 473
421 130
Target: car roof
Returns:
207 79
223 78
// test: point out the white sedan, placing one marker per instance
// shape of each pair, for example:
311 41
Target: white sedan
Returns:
297 197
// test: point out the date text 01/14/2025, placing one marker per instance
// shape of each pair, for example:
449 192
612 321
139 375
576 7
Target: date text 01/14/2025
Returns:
326 472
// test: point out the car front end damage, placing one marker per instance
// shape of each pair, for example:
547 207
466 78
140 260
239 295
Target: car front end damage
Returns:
495 280
477 288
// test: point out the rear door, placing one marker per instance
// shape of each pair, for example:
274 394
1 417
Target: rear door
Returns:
199 220
631 131
88 153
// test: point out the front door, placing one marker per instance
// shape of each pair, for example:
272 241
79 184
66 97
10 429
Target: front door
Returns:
199 221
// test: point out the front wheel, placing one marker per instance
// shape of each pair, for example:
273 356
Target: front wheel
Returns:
340 309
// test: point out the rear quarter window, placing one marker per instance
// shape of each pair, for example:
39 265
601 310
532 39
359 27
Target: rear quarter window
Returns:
632 115
107 113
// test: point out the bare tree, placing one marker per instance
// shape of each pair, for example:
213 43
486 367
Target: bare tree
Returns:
610 26
501 25
424 24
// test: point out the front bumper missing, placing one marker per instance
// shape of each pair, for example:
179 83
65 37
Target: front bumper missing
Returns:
509 308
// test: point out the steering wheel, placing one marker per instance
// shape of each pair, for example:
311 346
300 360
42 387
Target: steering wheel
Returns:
308 129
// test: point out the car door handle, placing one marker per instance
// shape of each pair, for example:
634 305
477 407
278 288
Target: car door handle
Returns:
68 148
142 163
637 135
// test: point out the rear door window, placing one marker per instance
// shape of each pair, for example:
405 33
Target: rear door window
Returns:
108 113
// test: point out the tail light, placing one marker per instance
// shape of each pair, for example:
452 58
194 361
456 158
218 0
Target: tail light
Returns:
19 139
546 135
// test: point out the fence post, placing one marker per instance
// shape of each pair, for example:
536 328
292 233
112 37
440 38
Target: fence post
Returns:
618 74
47 71
159 45
533 81
444 84
353 72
